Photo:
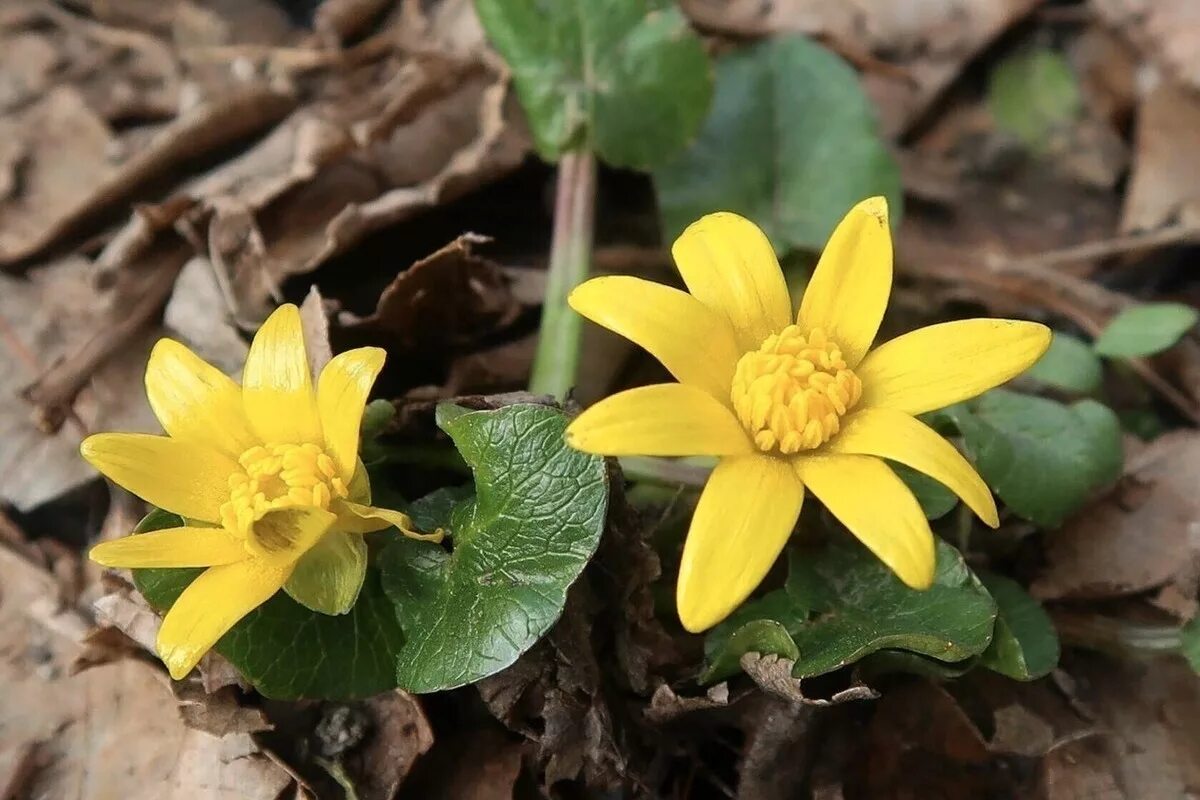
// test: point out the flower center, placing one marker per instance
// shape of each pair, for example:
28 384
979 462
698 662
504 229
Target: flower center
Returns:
792 392
279 476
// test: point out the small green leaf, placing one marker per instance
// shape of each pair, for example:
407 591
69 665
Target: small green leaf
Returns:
287 651
841 604
765 636
935 499
1189 639
791 143
1034 95
536 519
1069 364
1043 458
1024 645
626 78
1145 330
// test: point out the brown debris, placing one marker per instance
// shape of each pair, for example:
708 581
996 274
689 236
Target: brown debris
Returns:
1164 186
1141 536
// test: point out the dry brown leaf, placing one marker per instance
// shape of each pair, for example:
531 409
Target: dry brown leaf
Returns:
1140 536
81 725
1165 185
1080 770
1151 712
44 317
400 735
441 305
52 148
773 674
1166 31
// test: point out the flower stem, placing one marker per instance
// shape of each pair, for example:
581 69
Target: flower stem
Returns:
570 254
665 471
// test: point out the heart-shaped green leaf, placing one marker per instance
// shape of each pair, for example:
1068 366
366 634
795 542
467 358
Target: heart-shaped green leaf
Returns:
841 603
790 142
289 652
625 78
1069 365
535 520
1043 458
1024 645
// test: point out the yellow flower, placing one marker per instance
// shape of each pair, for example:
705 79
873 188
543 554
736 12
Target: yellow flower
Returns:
267 476
789 406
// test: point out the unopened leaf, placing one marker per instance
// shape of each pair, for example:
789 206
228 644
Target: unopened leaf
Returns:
1033 95
1069 364
1024 645
534 522
791 143
626 78
841 604
765 636
289 652
1145 330
1043 458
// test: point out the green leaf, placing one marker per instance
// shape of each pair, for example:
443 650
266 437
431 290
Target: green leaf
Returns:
777 607
1145 330
790 142
536 519
1069 364
289 652
1189 639
841 604
1024 644
626 78
1043 458
935 499
765 636
890 662
1034 95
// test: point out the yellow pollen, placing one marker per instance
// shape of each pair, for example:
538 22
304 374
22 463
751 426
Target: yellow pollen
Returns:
279 476
791 393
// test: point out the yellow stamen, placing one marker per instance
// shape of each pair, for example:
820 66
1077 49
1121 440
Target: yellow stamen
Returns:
279 476
791 393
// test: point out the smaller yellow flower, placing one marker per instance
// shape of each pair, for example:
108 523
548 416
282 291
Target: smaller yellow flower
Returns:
266 475
793 404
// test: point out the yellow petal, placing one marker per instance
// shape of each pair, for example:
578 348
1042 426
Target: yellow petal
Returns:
694 343
745 515
850 287
328 578
888 433
283 535
187 479
172 547
210 606
729 265
667 419
277 390
341 397
359 488
195 401
942 364
867 497
357 518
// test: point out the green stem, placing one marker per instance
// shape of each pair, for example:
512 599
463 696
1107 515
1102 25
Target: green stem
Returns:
557 356
664 471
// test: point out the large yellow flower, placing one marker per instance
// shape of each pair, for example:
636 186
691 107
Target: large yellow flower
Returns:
267 476
793 405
